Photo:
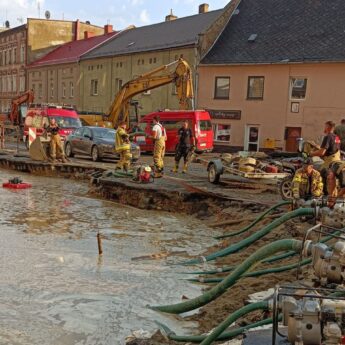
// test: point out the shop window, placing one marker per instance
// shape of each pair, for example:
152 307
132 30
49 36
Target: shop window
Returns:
255 88
221 132
222 88
94 87
298 88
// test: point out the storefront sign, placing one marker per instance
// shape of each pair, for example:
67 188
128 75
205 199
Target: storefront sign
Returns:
225 114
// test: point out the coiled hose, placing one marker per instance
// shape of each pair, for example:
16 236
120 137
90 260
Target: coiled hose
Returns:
224 336
232 278
254 237
257 220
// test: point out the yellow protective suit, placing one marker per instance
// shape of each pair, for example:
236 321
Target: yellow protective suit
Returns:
123 148
158 154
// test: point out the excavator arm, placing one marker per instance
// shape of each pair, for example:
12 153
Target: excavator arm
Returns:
181 76
26 97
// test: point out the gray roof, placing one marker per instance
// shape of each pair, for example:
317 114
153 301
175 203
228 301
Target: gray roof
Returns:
287 31
177 33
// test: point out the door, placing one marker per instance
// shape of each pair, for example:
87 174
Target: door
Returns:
76 139
86 141
291 136
252 138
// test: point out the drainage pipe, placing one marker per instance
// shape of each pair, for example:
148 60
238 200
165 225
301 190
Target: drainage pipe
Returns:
257 220
232 278
254 237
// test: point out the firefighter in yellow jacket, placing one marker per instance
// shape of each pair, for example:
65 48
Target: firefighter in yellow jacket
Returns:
123 147
307 183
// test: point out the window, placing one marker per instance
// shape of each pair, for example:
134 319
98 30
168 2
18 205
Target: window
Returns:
221 132
14 83
22 53
14 53
71 89
94 87
298 88
150 61
63 90
11 83
154 60
118 84
21 84
51 90
222 88
205 125
255 88
40 90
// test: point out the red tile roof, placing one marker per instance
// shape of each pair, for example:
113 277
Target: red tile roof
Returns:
72 51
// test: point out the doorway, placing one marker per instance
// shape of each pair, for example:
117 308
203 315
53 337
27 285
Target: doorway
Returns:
252 138
291 136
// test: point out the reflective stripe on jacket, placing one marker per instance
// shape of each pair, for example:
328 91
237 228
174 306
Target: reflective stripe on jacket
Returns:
301 187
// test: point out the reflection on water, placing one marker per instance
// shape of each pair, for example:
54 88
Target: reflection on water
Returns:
54 289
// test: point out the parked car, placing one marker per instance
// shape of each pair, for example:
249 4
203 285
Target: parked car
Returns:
97 142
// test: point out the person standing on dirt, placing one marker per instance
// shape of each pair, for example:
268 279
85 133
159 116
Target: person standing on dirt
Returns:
184 147
307 183
123 147
330 147
159 137
340 132
56 149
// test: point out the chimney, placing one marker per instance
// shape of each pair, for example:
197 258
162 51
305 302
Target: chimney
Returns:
108 29
170 17
88 34
76 30
203 8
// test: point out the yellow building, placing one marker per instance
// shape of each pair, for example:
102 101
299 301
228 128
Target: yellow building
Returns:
55 78
136 51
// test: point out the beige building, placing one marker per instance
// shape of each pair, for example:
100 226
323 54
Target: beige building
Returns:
133 52
22 45
55 78
271 80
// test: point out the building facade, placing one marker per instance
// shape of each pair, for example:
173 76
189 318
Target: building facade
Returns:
270 78
140 50
22 45
55 78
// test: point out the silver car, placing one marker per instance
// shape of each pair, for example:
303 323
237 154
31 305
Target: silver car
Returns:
97 142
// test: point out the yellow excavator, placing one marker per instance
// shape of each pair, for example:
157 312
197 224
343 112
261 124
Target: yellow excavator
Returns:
177 72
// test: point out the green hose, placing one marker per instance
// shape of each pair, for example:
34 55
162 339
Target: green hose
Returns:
232 278
254 237
257 220
269 260
225 336
255 273
263 305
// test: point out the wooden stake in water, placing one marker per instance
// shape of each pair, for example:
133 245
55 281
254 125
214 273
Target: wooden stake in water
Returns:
99 242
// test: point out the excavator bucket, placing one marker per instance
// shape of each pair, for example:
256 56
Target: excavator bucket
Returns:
38 151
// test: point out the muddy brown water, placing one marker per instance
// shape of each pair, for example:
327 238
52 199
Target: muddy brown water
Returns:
55 289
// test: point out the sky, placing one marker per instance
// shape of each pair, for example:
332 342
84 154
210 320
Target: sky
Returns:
119 13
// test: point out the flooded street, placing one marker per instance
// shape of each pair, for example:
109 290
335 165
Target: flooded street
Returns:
55 289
